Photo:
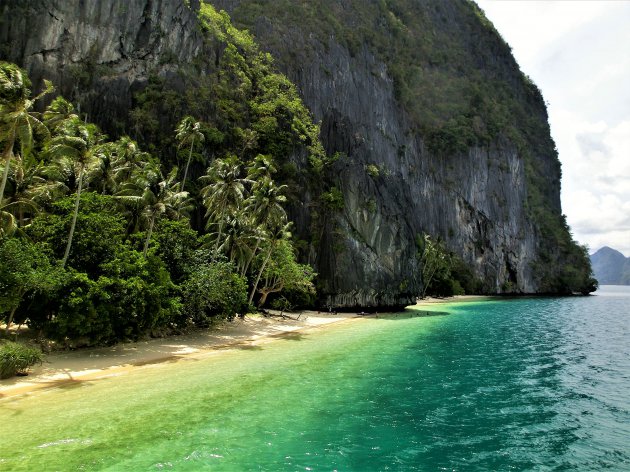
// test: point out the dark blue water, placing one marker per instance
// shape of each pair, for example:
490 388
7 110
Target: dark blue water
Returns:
523 384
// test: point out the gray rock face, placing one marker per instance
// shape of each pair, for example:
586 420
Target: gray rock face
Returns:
475 202
98 53
393 188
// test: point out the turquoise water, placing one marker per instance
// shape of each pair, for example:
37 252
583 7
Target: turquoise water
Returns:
526 384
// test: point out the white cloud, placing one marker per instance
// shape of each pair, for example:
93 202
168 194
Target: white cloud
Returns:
530 26
578 53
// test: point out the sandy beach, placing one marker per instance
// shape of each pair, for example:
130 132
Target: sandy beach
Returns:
96 363
90 364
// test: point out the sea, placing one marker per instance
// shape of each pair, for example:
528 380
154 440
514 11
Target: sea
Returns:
513 384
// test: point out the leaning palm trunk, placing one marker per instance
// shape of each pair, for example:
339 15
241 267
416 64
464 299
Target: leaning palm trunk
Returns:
250 259
188 163
428 282
218 243
146 242
6 157
260 272
74 219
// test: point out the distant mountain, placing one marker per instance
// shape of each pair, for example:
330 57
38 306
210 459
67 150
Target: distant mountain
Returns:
611 267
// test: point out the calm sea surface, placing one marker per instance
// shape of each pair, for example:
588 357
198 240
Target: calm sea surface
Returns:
525 384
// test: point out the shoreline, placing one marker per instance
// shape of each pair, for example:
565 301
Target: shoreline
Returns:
63 367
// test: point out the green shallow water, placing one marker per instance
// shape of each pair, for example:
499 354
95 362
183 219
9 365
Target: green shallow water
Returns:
527 384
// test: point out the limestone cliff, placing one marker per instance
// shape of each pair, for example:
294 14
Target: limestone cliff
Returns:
98 54
425 144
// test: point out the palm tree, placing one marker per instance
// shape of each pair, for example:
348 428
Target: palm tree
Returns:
77 150
17 121
225 193
57 112
30 191
129 160
279 231
238 236
257 235
266 201
244 237
261 166
118 162
8 223
157 197
265 207
188 131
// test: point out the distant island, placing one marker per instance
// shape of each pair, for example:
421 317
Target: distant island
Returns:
611 267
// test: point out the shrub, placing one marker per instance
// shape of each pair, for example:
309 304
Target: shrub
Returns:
213 290
333 199
99 234
373 170
16 358
132 298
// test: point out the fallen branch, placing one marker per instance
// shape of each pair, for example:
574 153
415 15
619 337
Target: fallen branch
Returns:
280 315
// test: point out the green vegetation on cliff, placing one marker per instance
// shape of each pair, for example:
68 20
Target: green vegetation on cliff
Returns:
455 99
245 106
96 240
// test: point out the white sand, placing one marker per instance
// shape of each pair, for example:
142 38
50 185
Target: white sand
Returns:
90 364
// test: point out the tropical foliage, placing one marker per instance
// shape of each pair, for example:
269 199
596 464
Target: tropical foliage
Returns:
97 245
16 358
443 273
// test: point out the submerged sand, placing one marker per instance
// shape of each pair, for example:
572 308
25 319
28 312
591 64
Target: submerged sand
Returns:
91 364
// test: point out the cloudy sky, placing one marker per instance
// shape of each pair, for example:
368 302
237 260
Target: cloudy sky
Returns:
578 53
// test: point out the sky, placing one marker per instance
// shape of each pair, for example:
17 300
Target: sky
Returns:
578 53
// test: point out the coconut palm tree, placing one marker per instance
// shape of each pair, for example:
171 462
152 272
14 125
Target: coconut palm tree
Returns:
243 238
157 196
261 166
188 131
278 231
266 200
31 190
17 122
57 112
119 161
264 205
225 193
129 160
76 150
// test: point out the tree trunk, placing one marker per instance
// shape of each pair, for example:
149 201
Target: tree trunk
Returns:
74 219
262 268
216 246
188 163
251 258
263 298
428 281
11 319
12 314
146 243
265 293
6 157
